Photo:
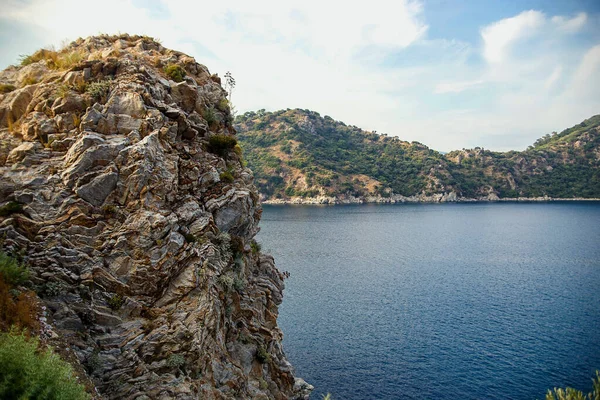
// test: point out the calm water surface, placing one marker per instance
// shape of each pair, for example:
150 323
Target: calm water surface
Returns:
452 301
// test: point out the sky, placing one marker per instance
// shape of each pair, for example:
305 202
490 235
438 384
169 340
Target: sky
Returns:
451 74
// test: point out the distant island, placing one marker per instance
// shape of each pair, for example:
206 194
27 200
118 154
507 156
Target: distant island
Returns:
299 156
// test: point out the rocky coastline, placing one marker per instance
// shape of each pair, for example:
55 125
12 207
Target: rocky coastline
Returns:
399 199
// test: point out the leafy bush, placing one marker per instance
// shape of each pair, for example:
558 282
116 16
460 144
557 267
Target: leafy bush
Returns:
263 355
239 284
189 237
99 90
175 72
226 176
255 246
28 372
10 208
221 144
226 281
116 302
13 272
223 105
176 361
574 394
209 115
5 88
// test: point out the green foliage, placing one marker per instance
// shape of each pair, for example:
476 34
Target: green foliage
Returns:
223 105
116 301
12 271
175 72
226 282
28 372
176 361
226 176
239 284
189 237
209 115
339 160
11 207
6 88
255 246
99 90
221 144
574 394
263 355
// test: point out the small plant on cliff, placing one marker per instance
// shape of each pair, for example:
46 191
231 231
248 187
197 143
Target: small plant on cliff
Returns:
30 372
209 115
221 144
226 282
5 88
11 207
189 237
176 361
99 90
175 72
116 302
12 271
263 355
226 176
255 246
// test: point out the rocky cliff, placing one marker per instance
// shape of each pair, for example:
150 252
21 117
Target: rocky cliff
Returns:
299 156
122 188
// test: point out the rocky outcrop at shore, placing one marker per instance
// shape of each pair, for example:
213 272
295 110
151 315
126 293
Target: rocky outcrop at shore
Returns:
398 199
128 200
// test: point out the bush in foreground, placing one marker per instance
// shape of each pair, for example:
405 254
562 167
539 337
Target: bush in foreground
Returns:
574 394
28 372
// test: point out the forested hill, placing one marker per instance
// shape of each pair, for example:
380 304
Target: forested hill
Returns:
300 154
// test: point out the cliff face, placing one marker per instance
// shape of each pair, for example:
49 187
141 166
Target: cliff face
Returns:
299 156
138 220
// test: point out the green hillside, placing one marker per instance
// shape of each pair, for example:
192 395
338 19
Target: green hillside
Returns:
298 153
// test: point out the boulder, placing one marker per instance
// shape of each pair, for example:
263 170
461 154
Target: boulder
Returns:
98 189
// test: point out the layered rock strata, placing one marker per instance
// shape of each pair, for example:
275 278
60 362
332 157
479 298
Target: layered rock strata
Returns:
137 222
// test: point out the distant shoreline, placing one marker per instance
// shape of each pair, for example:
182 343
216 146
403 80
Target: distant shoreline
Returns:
435 199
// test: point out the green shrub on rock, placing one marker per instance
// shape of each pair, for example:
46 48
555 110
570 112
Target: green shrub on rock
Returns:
11 207
28 372
175 72
221 144
13 272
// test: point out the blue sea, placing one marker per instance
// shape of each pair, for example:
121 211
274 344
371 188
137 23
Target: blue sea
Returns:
439 301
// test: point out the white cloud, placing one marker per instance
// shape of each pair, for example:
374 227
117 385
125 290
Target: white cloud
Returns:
499 36
369 64
456 87
571 25
553 78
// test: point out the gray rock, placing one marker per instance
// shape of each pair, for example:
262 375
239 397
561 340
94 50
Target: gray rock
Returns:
98 189
126 103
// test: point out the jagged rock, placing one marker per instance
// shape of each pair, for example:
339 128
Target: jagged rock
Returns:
98 189
19 152
126 103
14 105
159 293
